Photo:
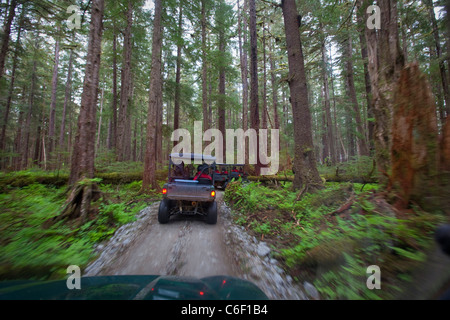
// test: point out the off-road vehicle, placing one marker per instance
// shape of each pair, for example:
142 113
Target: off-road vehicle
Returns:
225 173
190 188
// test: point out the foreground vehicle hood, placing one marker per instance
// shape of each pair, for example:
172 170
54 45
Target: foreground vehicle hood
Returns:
134 288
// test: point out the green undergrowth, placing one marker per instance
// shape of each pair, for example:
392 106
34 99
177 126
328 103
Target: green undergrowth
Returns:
331 237
32 248
361 166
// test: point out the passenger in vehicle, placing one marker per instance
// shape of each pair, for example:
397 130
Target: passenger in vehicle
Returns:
179 171
201 174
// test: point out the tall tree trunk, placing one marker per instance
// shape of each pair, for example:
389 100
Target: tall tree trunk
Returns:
99 130
17 161
328 123
264 119
123 140
176 115
39 155
221 98
415 146
159 146
26 143
340 151
274 82
82 165
325 158
155 103
350 130
11 84
67 96
306 174
6 36
206 120
244 66
348 52
254 104
361 9
385 64
445 147
437 41
134 150
79 200
52 118
114 94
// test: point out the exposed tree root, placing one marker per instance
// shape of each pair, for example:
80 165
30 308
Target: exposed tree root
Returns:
78 204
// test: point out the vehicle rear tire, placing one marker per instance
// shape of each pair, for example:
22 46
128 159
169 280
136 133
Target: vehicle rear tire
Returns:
211 218
163 212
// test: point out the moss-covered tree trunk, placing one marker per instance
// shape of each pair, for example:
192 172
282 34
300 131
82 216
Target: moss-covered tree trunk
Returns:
82 167
385 64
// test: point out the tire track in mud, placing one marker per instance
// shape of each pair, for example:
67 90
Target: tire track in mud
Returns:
175 262
183 247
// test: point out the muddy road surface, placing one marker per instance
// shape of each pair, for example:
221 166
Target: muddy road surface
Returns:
189 247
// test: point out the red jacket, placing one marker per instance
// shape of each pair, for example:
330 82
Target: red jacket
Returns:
202 176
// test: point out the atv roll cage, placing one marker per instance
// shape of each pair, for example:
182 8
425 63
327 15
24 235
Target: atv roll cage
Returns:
190 188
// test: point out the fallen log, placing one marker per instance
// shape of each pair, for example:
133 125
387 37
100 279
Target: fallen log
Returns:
330 178
60 180
346 178
271 178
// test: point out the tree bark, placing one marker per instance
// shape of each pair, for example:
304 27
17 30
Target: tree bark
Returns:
52 118
6 36
361 9
264 118
84 147
206 120
385 64
123 138
244 66
11 85
327 105
437 42
67 95
274 81
17 161
155 102
26 137
176 113
99 129
414 151
221 98
306 174
114 95
254 104
360 137
445 146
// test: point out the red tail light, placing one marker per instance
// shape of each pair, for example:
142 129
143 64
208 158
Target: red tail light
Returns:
164 191
213 193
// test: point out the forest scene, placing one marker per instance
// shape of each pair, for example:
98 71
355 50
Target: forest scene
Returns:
358 92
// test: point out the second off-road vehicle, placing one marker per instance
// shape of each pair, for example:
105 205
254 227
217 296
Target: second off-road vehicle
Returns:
190 188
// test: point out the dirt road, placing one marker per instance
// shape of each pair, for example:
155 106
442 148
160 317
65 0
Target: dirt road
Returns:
190 247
